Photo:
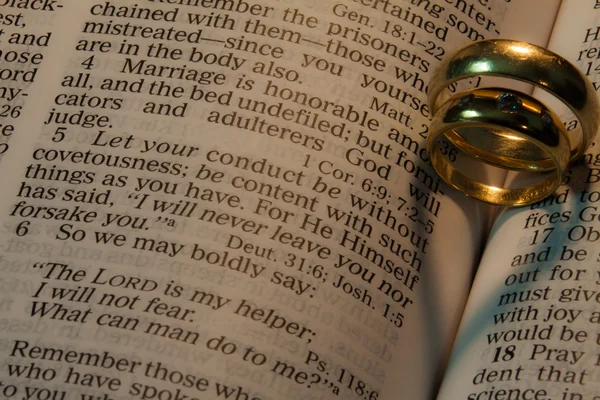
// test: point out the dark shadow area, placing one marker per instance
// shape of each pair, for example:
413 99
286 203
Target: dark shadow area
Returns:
476 214
482 320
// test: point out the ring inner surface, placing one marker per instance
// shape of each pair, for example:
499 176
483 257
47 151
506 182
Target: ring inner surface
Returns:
458 176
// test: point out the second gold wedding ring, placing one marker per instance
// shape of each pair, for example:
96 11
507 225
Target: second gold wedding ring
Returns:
506 128
528 63
502 126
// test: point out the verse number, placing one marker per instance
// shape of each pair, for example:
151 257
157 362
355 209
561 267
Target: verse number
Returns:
359 387
10 111
23 228
396 318
447 150
435 50
393 29
402 202
60 134
300 264
504 353
544 235
88 63
369 186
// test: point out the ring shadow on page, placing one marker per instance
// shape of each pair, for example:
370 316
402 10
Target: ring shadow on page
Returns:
478 214
482 318
426 190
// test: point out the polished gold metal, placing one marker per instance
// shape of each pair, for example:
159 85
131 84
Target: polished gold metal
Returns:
529 63
501 112
504 128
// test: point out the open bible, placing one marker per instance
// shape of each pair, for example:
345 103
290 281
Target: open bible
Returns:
232 199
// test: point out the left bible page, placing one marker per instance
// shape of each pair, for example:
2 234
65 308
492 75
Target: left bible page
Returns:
228 199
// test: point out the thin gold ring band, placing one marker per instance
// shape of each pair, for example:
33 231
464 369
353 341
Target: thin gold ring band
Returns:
481 109
502 112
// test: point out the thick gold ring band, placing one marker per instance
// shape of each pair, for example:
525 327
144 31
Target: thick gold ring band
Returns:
529 63
518 124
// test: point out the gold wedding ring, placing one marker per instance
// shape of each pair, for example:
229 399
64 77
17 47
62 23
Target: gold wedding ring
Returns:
516 122
506 128
528 63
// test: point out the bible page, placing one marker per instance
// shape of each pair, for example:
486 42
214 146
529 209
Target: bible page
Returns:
230 199
530 329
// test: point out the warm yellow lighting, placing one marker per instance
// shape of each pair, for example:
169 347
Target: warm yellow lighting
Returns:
517 48
481 66
471 113
513 137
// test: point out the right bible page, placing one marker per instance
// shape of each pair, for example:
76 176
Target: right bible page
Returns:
531 329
